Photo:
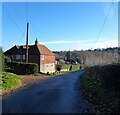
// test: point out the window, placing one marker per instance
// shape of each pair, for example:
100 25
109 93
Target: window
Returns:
42 57
46 66
17 56
23 56
52 66
12 57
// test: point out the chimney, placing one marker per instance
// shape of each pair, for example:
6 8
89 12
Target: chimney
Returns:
36 42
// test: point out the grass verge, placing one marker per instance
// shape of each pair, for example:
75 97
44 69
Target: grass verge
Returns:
9 81
62 72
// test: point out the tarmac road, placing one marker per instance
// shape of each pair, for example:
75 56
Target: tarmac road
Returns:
60 94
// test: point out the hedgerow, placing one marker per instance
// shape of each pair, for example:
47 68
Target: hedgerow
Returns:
22 68
101 86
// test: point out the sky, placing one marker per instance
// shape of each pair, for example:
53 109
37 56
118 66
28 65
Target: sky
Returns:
61 26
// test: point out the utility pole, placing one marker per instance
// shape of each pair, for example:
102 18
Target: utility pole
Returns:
27 43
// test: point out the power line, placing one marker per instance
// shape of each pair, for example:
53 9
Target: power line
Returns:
13 21
22 36
16 26
25 19
104 22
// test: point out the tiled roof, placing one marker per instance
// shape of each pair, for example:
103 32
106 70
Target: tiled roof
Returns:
44 50
32 49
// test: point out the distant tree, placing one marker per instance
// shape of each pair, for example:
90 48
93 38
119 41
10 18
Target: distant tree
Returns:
68 55
93 57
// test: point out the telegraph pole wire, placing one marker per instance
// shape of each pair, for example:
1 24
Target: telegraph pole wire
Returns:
13 21
104 23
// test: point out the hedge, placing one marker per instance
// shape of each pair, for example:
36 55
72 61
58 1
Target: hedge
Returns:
71 67
22 68
101 87
1 60
58 67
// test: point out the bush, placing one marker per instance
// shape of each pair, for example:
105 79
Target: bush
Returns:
9 80
22 68
101 86
58 67
74 67
70 68
7 59
1 60
104 74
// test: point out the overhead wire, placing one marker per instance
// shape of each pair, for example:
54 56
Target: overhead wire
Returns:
103 24
26 19
13 21
18 27
22 36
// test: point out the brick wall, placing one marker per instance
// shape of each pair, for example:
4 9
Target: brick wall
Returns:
47 59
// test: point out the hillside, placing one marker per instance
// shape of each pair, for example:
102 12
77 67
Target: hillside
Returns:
92 57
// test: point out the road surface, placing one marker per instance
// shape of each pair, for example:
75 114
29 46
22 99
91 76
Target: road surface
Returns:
60 94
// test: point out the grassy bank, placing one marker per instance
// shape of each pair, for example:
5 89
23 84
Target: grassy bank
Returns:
67 66
9 81
101 87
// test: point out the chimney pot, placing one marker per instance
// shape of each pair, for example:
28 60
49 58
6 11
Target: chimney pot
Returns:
36 42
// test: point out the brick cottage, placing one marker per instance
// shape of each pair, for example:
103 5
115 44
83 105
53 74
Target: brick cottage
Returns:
37 53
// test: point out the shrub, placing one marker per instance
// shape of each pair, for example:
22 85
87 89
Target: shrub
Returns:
9 80
22 68
7 59
70 68
58 67
1 60
101 85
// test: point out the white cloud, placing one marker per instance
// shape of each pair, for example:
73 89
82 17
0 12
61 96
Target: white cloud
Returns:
66 41
83 44
94 45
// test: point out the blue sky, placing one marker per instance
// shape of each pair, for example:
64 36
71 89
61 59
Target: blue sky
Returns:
60 25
